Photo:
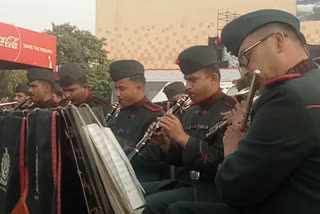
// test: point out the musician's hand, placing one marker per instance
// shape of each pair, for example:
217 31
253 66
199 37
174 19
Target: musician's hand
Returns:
234 134
152 126
231 139
238 113
173 128
161 139
227 116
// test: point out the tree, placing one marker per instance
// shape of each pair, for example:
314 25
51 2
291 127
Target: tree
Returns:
74 45
9 81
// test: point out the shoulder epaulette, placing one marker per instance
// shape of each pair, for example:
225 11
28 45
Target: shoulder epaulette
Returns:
153 107
228 101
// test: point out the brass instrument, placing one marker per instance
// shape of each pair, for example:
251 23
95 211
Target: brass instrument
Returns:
8 104
109 115
222 125
247 108
182 105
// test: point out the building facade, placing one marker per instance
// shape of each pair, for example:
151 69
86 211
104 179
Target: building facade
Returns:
155 32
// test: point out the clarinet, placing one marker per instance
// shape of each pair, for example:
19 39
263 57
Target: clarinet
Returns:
111 113
181 105
222 125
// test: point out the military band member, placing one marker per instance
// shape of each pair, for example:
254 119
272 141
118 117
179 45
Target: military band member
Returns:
277 163
135 116
275 166
186 144
175 90
41 84
74 84
21 93
57 93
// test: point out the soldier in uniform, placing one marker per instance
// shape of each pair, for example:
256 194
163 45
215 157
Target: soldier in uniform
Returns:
186 143
41 84
57 93
275 166
174 91
21 96
73 82
135 116
21 93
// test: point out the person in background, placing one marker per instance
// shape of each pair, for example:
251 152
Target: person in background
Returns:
41 85
75 88
57 93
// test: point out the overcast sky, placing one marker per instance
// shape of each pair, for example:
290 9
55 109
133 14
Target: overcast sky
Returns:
38 15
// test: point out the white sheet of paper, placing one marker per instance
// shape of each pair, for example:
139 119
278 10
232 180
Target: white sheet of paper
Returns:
113 156
117 198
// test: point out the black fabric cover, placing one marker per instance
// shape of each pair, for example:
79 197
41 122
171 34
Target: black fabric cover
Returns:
10 176
41 157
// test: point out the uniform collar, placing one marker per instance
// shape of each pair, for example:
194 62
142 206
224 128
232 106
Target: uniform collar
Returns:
302 67
47 104
212 99
140 103
296 72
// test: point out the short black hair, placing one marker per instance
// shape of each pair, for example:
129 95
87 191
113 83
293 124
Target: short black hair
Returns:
47 82
213 69
290 31
138 78
58 93
303 39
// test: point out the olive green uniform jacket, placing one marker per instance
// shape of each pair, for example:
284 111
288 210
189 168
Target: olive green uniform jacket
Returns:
129 126
276 168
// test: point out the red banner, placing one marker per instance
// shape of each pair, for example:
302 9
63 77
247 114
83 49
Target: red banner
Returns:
22 46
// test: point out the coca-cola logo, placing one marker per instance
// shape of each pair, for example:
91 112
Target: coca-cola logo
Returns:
9 42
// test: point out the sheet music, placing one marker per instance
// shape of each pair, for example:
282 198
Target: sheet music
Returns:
114 141
119 150
117 198
114 157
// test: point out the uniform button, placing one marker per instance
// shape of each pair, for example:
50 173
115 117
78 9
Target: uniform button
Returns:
132 116
204 112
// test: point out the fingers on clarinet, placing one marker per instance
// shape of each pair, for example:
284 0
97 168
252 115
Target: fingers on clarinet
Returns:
238 105
225 113
233 111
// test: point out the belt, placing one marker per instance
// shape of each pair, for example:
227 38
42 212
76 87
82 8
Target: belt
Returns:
196 176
